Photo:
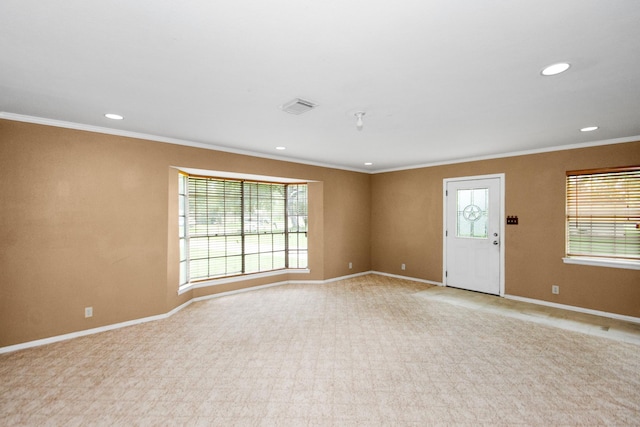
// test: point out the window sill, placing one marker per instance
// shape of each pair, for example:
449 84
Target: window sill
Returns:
242 278
603 262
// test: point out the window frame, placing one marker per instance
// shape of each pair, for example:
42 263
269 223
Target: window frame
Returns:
242 230
574 213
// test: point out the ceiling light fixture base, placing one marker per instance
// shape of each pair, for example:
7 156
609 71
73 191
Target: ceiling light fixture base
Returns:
359 123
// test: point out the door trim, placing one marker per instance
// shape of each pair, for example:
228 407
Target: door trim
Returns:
445 181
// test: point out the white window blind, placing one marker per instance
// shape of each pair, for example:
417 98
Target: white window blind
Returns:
233 227
603 213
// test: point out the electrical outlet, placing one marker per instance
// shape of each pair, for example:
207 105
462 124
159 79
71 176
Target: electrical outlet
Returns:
403 267
555 289
350 266
88 312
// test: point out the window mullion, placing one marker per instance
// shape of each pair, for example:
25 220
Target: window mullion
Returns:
187 220
242 227
286 226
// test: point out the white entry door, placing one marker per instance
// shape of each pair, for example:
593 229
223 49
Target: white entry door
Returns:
473 232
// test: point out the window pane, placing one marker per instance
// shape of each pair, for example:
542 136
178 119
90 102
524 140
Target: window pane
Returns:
182 179
234 265
464 198
233 219
217 267
279 260
234 245
183 250
297 207
181 227
266 243
278 242
183 272
266 261
181 203
264 190
217 246
251 245
252 263
264 225
277 215
198 247
297 259
302 241
480 198
293 240
198 269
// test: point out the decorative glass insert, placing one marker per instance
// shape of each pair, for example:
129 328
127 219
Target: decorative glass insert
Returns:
472 213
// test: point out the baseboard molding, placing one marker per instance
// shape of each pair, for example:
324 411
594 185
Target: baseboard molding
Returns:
531 300
239 291
576 309
235 279
413 279
337 279
78 334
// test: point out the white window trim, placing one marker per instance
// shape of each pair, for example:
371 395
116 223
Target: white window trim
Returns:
185 287
603 262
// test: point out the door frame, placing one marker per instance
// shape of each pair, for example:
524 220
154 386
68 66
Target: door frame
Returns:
445 181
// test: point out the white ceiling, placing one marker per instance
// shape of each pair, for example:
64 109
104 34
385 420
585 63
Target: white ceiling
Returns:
440 80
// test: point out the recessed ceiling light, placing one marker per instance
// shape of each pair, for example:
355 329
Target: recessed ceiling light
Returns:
368 164
554 69
281 148
113 116
589 129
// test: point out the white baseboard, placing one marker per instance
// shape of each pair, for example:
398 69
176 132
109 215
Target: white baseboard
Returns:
337 279
576 309
64 337
78 334
239 291
532 301
413 279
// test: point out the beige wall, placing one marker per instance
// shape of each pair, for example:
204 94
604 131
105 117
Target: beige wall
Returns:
88 219
407 227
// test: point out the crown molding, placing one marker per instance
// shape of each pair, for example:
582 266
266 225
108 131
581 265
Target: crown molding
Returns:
156 138
622 140
187 143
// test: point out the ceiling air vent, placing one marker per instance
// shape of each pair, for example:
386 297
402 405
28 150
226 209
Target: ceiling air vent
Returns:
298 106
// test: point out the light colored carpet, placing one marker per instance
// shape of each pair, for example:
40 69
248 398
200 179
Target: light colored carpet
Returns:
368 351
614 329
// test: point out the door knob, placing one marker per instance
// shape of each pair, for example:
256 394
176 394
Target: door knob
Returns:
495 242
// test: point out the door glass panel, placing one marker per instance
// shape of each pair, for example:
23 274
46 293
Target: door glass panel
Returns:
472 213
